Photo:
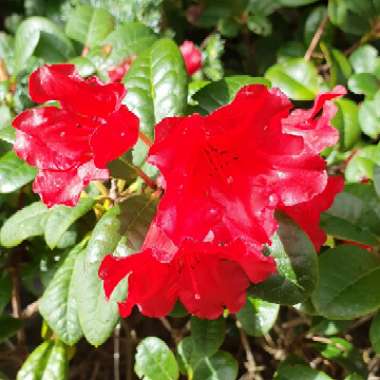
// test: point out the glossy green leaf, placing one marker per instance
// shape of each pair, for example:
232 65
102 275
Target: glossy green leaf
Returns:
155 361
58 305
352 290
49 361
347 122
374 333
129 39
365 59
14 173
297 78
221 366
188 356
89 25
364 84
369 116
28 36
62 217
361 165
299 372
8 327
8 134
97 315
157 88
217 94
297 266
376 179
257 317
207 335
25 223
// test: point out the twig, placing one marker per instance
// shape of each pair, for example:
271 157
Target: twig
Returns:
116 352
145 139
30 310
16 302
317 36
129 349
3 71
250 363
149 181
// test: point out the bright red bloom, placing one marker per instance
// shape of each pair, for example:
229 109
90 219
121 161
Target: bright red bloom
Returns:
204 276
192 57
226 173
72 145
116 74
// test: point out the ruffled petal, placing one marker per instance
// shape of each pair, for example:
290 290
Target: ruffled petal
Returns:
88 97
117 134
307 214
51 138
64 187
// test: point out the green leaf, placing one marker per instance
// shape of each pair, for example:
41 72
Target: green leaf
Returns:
354 376
105 235
5 290
8 327
257 317
361 165
58 305
369 116
217 94
374 333
299 372
346 121
365 59
296 3
89 25
297 266
155 361
188 356
376 179
8 134
129 39
49 361
364 84
62 217
28 36
25 223
157 88
297 78
97 315
312 23
348 286
221 366
207 335
14 173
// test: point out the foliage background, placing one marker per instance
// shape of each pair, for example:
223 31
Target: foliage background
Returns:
327 326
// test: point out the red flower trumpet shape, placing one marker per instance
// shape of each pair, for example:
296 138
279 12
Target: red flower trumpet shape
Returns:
227 173
204 276
72 145
192 57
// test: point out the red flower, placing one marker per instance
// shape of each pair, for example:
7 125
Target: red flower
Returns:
227 172
192 57
72 145
204 276
116 74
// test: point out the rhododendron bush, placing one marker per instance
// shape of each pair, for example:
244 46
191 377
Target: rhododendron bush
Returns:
190 190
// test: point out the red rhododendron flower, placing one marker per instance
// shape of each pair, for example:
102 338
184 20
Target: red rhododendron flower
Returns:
226 173
205 277
72 145
192 57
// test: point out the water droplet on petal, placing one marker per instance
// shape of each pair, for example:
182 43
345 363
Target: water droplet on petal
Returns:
197 296
230 180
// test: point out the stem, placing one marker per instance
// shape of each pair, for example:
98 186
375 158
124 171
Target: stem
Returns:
30 311
116 352
129 349
149 181
317 36
3 71
16 302
250 364
145 139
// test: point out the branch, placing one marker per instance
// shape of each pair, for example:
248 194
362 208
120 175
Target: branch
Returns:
3 71
317 36
145 139
30 311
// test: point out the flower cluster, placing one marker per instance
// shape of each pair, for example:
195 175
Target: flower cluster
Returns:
224 177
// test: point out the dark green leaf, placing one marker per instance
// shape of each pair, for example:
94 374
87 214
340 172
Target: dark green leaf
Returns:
364 84
155 361
297 266
14 173
62 217
207 335
89 25
221 366
8 327
58 305
25 223
5 290
374 333
348 287
299 372
257 317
